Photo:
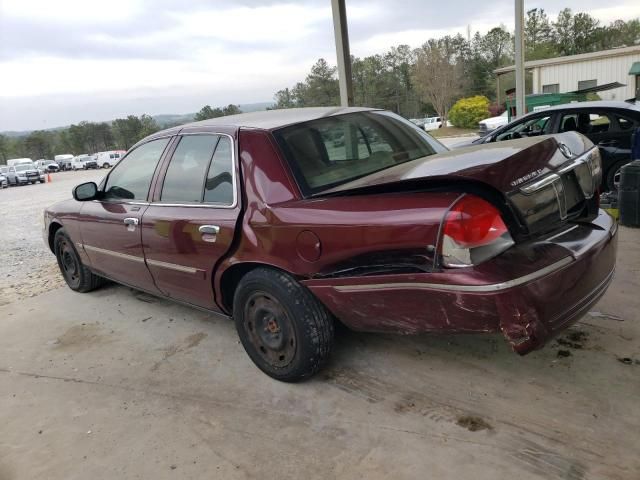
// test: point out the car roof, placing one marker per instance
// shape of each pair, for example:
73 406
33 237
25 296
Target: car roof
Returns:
271 119
593 104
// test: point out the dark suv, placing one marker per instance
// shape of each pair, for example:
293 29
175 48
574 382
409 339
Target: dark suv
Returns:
607 124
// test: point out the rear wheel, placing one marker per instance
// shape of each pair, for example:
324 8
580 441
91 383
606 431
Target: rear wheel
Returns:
75 273
284 329
105 165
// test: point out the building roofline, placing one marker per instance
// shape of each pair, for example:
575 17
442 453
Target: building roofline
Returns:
614 52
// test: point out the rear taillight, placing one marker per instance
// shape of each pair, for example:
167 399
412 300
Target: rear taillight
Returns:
473 231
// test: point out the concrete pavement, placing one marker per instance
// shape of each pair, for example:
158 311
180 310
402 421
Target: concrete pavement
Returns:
119 384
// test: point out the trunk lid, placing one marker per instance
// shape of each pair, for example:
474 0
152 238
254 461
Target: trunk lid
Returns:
544 181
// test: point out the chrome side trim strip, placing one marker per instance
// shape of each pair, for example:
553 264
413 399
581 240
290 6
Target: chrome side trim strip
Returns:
173 266
494 287
103 251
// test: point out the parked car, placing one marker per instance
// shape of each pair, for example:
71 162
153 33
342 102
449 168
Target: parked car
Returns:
4 183
432 123
110 158
83 162
608 124
488 125
260 216
48 166
24 173
64 161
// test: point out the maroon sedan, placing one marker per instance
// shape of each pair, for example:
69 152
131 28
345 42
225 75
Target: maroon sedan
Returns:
287 220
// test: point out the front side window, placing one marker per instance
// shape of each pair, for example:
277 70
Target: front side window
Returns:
528 128
131 178
185 176
334 150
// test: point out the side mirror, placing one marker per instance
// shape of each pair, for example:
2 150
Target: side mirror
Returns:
85 191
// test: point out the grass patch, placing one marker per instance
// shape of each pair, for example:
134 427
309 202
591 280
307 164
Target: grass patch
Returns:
453 132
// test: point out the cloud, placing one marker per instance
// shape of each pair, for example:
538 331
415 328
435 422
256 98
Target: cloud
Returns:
69 60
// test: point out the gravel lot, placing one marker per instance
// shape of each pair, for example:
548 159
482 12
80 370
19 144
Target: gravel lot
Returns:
28 267
119 384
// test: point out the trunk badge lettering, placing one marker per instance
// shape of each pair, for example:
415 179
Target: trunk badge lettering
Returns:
527 177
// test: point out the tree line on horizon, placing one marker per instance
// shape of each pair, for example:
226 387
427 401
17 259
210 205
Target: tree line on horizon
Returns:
92 137
431 78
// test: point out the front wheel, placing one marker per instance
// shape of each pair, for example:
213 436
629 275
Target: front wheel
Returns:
284 329
75 273
105 165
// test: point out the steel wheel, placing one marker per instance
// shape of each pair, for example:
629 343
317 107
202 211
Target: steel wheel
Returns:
69 262
269 329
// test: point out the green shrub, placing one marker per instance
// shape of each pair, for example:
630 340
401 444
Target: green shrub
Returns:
467 112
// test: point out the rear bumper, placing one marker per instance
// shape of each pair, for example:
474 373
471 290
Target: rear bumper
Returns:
530 295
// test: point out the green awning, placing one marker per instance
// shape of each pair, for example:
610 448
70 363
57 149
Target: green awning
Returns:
635 69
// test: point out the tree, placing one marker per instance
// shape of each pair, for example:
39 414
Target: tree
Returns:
538 34
231 110
4 149
39 144
205 113
436 77
127 131
283 99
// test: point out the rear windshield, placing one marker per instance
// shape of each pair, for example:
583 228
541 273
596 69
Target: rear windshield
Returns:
331 151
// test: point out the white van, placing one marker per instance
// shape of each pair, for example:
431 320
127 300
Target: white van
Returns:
18 161
83 162
64 161
110 158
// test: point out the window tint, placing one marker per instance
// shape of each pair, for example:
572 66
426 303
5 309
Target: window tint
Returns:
219 184
327 152
131 178
186 173
585 123
625 123
529 128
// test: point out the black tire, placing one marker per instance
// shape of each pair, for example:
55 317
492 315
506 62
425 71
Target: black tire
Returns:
611 173
284 329
105 165
75 273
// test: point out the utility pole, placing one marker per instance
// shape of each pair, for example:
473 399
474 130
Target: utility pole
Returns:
342 50
520 85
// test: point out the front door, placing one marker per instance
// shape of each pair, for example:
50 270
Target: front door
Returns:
191 223
110 227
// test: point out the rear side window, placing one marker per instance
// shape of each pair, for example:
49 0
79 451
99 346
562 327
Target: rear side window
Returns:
131 178
185 177
625 123
219 185
585 123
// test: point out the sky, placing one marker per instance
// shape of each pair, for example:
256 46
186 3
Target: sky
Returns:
64 61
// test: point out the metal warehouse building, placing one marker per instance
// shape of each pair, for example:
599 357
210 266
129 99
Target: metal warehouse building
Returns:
587 70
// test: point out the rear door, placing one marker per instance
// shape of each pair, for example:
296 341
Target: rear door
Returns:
191 223
110 228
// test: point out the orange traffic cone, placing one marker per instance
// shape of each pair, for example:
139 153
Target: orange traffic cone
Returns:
48 178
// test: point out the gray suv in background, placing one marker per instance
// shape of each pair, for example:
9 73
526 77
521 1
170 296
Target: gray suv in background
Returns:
24 173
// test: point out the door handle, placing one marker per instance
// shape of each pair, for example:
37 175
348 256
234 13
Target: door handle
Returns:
209 229
131 224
